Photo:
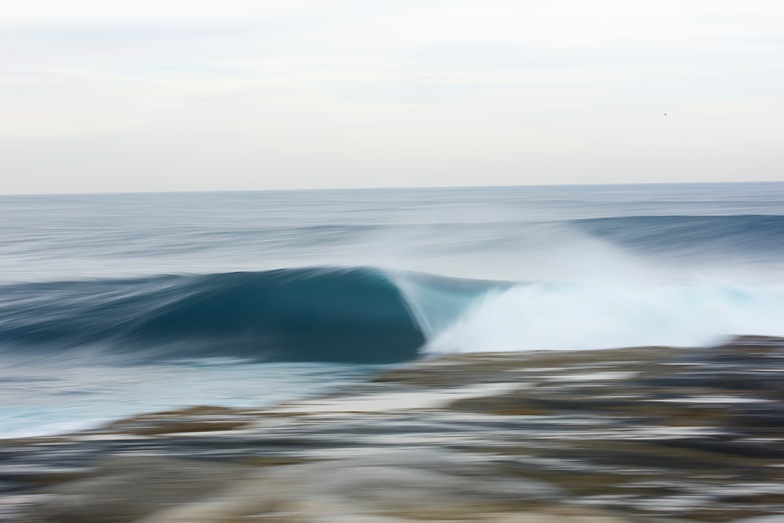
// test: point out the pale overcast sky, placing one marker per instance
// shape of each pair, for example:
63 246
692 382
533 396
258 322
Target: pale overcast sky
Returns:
162 95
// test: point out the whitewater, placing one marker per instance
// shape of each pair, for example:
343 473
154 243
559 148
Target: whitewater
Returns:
112 305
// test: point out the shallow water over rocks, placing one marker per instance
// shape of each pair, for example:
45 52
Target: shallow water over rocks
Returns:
641 434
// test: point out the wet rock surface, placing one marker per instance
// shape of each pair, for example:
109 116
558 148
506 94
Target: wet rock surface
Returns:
642 434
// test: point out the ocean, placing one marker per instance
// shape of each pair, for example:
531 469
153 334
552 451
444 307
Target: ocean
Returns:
115 305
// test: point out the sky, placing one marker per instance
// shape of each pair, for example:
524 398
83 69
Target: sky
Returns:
191 95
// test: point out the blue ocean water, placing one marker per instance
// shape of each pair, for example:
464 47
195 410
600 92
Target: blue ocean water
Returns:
112 305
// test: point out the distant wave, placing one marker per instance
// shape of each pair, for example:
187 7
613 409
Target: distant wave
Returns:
366 315
763 234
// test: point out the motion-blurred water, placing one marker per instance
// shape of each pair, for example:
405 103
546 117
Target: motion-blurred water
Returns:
117 304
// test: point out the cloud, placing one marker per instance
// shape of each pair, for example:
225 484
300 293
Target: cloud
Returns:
45 12
447 92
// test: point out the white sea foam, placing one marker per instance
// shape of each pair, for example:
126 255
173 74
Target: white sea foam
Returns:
595 315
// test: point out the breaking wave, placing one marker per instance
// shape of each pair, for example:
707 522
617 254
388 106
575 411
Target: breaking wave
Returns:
367 315
598 315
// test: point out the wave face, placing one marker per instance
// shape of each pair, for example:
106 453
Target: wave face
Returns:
330 315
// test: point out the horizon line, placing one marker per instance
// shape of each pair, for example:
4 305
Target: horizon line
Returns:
382 188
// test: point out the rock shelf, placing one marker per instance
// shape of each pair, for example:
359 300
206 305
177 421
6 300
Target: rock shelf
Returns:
620 435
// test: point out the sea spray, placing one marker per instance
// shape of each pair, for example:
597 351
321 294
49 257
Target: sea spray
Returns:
593 315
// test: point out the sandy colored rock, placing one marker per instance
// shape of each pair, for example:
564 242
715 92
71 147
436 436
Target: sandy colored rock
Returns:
403 484
125 489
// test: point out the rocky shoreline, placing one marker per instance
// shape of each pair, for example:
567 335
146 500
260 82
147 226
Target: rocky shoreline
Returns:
621 435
